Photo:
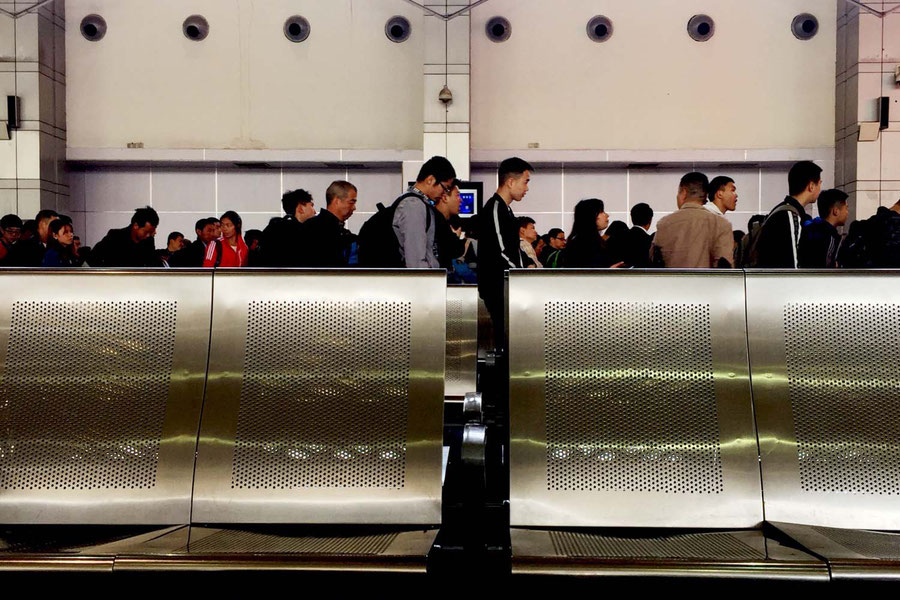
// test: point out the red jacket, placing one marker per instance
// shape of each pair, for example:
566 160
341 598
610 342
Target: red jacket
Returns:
221 254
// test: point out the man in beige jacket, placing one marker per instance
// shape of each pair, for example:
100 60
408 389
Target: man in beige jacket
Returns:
693 237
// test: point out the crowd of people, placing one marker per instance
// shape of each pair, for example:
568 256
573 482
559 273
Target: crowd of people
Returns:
422 229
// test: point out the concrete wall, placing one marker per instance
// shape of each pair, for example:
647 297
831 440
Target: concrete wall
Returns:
753 85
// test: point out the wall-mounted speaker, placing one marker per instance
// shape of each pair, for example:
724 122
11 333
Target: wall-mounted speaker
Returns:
13 112
884 112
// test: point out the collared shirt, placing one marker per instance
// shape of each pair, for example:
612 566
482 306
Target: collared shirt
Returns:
694 238
711 207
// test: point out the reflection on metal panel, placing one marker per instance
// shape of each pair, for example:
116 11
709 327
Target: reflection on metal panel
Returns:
97 360
823 348
328 409
462 340
646 419
100 394
324 401
630 407
252 542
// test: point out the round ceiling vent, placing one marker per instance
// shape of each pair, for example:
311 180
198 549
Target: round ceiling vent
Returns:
498 29
805 26
701 28
195 28
296 29
600 28
93 28
398 29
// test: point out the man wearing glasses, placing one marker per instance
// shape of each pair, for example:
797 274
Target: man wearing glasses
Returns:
414 221
10 232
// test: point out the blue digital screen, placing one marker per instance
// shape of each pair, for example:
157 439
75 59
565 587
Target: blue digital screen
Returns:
467 203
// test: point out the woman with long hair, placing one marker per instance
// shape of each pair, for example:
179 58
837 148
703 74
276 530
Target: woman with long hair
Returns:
586 248
230 250
61 246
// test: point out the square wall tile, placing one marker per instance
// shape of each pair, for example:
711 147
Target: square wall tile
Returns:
27 38
46 42
258 220
28 154
609 186
375 186
544 222
544 193
116 190
8 158
487 178
76 190
29 92
314 181
29 203
7 38
658 188
891 36
182 222
8 202
185 190
774 187
98 224
248 190
890 155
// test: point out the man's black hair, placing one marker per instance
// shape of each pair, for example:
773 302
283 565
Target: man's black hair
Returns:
438 167
828 200
512 168
174 236
696 185
641 215
46 214
717 184
10 221
616 228
755 221
145 215
525 222
801 175
553 233
292 199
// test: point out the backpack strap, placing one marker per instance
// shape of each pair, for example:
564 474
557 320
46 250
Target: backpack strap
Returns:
428 207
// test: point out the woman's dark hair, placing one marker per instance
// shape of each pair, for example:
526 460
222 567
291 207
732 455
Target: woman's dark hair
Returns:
617 228
234 218
586 213
57 225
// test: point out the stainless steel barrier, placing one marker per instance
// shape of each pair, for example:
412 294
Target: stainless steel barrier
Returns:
630 407
101 386
462 341
630 401
324 399
823 349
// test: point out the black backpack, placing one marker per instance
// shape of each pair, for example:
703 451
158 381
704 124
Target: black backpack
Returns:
378 244
750 243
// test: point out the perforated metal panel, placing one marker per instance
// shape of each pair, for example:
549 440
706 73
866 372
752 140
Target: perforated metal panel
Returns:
84 394
325 406
874 544
837 357
630 407
250 542
462 341
634 411
823 347
324 401
712 546
100 393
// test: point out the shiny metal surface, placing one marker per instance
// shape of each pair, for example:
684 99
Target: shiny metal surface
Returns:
462 340
472 407
212 549
630 400
101 385
823 349
474 444
852 554
324 400
725 554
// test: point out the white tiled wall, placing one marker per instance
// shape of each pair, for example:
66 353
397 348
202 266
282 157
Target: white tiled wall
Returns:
32 67
108 196
554 191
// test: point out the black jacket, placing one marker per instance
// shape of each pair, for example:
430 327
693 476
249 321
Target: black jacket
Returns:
282 244
449 246
29 253
327 242
639 243
498 246
118 250
587 252
779 238
885 228
191 255
819 243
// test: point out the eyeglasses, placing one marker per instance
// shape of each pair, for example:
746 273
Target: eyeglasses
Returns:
445 188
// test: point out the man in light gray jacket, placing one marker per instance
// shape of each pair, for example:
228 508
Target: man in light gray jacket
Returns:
414 221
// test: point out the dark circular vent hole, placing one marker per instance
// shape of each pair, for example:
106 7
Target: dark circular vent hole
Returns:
193 31
809 26
601 30
295 29
397 31
703 29
498 30
90 30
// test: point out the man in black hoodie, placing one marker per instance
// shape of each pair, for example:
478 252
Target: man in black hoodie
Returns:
130 246
820 239
779 238
498 240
